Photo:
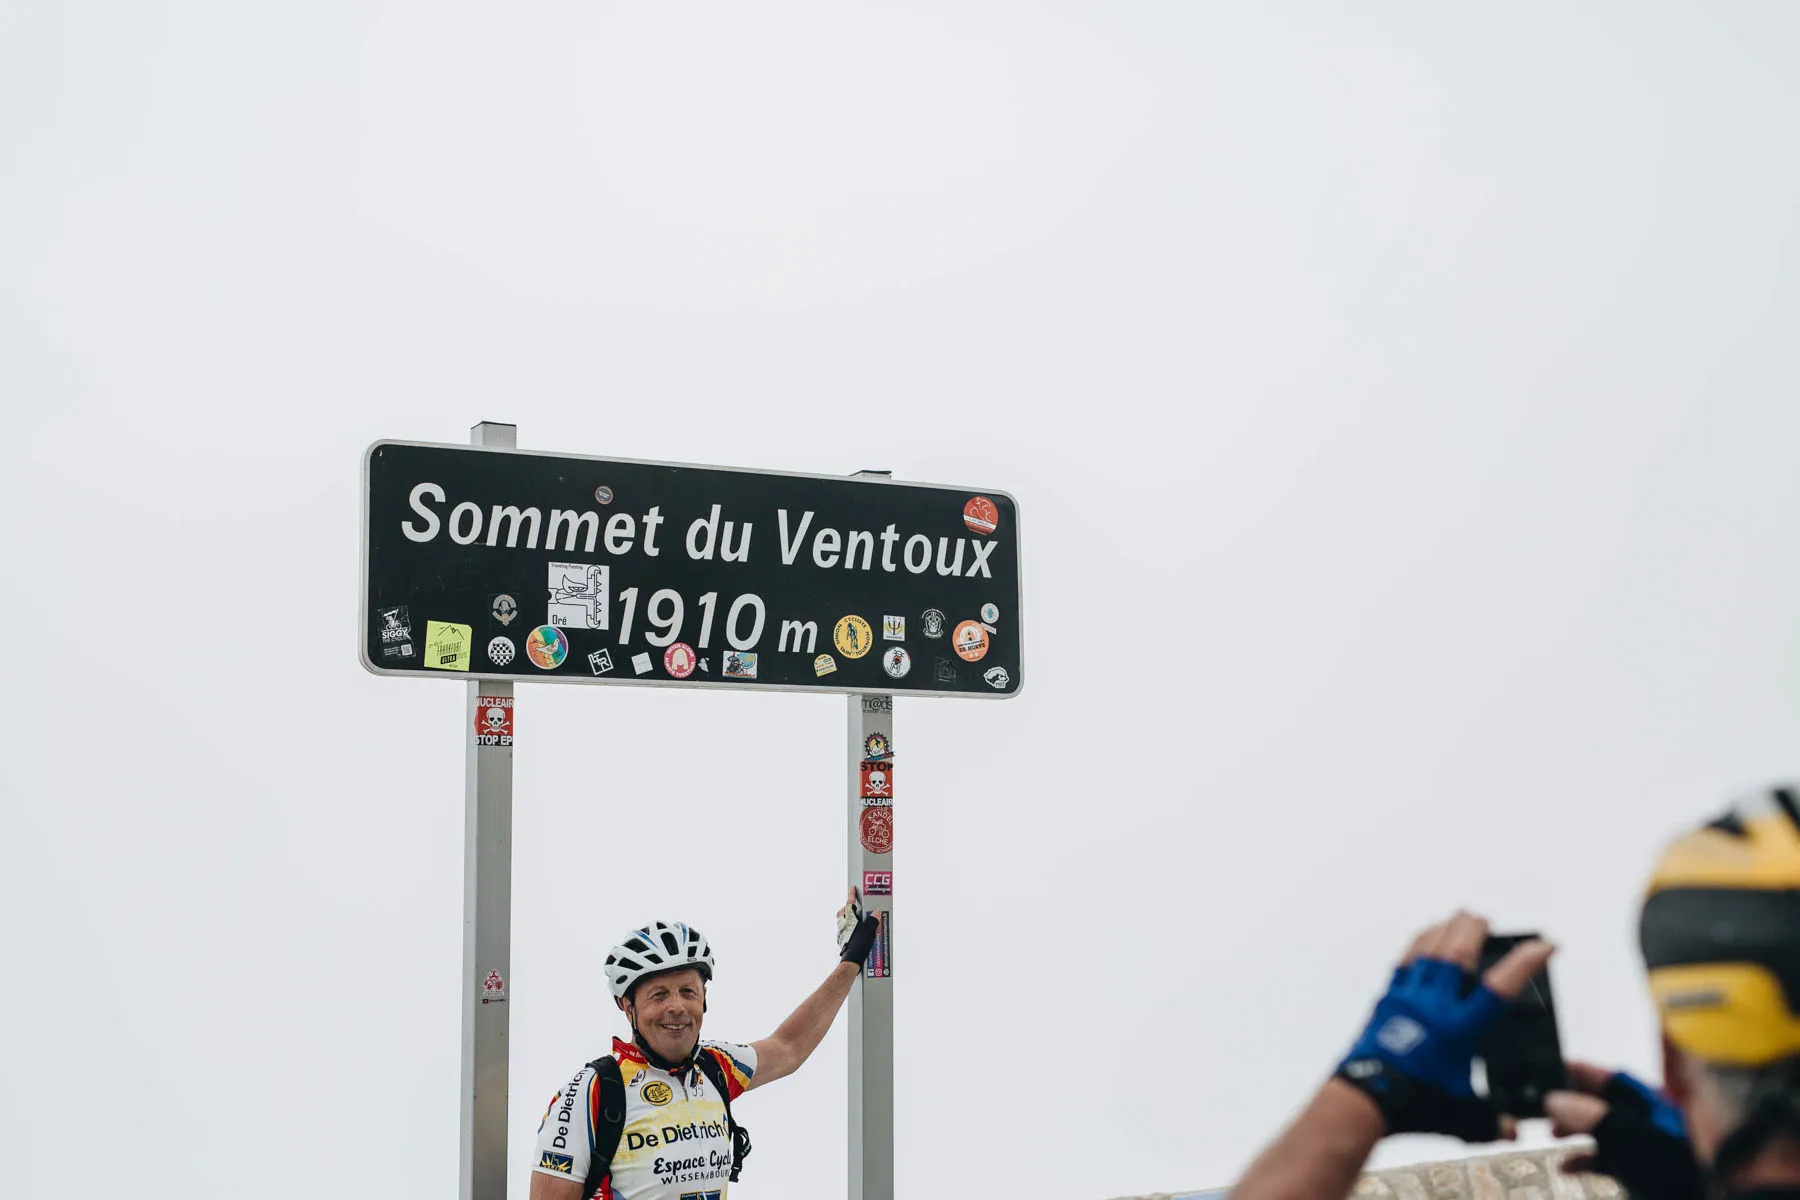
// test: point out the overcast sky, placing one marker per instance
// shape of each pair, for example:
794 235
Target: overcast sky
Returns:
1401 404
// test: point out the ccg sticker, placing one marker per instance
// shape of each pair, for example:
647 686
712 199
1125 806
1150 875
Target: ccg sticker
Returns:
579 594
493 989
501 651
876 829
852 637
640 663
881 958
600 661
990 613
997 677
877 782
547 647
447 646
679 660
896 661
657 1093
878 883
980 515
504 608
970 641
494 721
931 623
824 665
893 629
878 746
740 664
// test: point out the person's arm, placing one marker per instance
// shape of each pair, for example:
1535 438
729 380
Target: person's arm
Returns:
549 1187
1321 1153
781 1053
1410 1071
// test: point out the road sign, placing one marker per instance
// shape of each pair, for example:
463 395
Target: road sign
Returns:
510 564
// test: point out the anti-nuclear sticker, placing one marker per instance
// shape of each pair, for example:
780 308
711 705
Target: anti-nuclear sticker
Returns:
878 883
876 829
494 721
881 957
447 646
877 782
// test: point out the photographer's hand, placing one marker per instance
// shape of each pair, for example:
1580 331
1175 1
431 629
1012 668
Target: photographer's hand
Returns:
1410 1071
1639 1137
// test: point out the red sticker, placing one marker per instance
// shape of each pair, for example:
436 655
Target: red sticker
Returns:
679 660
493 988
981 516
878 782
878 883
493 721
877 829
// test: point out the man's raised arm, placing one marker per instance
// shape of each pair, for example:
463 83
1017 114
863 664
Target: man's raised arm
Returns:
781 1053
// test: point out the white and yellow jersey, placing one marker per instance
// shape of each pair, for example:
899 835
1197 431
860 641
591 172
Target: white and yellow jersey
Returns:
676 1144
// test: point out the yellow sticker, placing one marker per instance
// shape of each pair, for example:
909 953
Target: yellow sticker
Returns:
658 1093
447 646
852 636
824 664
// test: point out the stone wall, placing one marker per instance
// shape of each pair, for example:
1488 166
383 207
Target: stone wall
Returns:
1521 1175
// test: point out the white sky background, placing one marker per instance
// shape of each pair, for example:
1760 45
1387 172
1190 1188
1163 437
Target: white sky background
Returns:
1401 406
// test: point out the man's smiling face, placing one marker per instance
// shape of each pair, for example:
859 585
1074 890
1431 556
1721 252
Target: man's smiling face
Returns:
667 1009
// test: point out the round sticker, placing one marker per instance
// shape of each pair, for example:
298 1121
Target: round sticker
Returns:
980 515
658 1093
500 651
990 613
970 641
896 661
877 829
932 622
547 647
853 637
679 660
603 494
877 745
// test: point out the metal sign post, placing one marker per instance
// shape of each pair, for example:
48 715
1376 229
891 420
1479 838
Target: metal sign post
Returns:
872 1001
487 916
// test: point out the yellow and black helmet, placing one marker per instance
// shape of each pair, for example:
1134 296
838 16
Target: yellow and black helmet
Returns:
1720 932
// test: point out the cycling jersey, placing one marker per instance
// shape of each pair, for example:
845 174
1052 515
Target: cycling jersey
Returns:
676 1145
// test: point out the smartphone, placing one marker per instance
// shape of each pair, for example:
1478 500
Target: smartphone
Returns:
1522 1053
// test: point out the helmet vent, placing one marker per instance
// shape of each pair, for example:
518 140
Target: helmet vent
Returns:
1785 798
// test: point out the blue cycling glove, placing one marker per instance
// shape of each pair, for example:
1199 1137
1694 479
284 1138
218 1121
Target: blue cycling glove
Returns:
1643 1143
1416 1057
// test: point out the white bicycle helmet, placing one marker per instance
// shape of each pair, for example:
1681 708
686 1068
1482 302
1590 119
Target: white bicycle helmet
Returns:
658 946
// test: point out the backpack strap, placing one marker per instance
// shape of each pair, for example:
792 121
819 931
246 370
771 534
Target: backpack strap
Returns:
609 1125
714 1070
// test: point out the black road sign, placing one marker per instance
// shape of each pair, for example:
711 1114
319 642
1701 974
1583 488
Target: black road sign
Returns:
520 565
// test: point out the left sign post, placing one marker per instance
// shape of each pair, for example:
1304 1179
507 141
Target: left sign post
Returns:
487 893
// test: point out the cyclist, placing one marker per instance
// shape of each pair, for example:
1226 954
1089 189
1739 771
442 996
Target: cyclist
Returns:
1720 935
652 1120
